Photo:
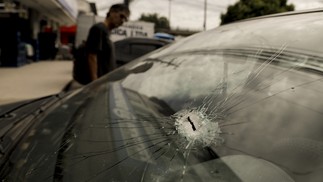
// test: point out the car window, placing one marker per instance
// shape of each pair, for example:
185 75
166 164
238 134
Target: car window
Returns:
141 49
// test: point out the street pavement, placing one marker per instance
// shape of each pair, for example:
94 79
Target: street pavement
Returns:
34 80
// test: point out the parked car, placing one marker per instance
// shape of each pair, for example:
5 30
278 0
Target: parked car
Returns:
242 102
164 36
131 48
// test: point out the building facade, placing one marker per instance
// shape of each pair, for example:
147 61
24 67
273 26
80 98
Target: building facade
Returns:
30 29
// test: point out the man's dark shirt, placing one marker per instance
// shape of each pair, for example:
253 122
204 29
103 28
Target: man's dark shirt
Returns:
99 43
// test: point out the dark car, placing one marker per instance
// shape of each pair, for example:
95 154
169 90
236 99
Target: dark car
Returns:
242 102
131 48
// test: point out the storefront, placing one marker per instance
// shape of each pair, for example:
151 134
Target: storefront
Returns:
33 25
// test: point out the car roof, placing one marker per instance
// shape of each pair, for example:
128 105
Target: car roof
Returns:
143 40
289 13
272 30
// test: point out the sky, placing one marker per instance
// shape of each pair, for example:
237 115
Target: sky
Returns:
189 14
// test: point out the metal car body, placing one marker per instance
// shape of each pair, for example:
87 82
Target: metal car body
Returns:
242 102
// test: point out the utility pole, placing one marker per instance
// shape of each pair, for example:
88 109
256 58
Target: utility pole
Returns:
205 12
126 2
169 11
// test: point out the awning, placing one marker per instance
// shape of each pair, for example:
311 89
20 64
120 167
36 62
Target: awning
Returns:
62 11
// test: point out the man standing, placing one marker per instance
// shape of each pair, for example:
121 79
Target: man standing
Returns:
101 55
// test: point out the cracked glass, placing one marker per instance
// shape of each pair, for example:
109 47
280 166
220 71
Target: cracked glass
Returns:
242 102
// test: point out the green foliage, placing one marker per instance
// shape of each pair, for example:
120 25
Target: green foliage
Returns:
160 22
253 8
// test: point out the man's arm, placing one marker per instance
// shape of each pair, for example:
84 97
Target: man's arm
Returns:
93 66
92 45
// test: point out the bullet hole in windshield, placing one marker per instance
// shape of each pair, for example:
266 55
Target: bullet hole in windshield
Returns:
197 128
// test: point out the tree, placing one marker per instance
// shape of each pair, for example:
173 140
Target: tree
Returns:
127 2
253 8
160 22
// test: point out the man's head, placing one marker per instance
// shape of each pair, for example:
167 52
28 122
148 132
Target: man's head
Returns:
117 15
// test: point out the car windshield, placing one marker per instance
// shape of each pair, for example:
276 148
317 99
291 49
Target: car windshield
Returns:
242 102
259 103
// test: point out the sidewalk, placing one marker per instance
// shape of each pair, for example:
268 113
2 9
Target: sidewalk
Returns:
34 80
